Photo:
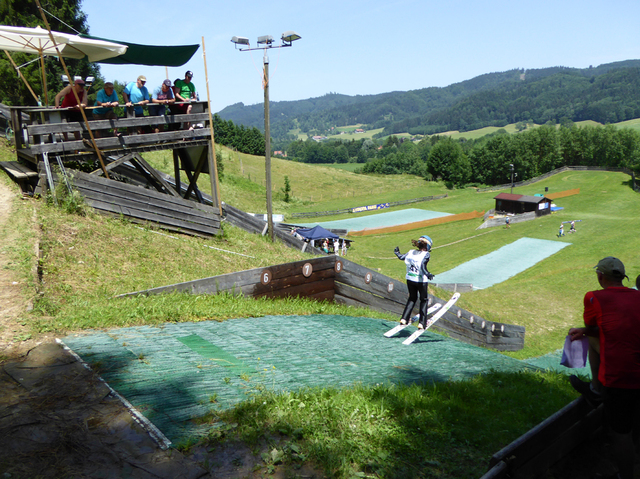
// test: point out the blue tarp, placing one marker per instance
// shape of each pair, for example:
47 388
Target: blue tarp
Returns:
316 233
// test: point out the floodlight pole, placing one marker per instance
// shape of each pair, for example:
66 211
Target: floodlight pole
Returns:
511 178
287 39
267 146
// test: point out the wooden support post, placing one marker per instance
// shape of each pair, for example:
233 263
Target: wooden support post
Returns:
75 93
21 76
196 175
213 166
176 170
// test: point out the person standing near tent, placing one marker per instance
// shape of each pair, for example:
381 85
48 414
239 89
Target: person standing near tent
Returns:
417 277
69 100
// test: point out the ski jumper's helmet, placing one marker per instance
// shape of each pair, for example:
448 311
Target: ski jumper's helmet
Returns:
426 239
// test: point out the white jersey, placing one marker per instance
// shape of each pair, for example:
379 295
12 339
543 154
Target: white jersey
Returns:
415 271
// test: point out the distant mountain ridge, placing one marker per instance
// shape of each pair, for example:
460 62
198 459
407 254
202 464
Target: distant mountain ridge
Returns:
606 93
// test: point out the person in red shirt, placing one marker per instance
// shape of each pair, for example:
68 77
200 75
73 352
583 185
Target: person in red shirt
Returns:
69 100
612 324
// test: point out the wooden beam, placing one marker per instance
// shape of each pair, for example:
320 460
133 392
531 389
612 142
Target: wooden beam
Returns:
155 175
70 127
111 165
123 142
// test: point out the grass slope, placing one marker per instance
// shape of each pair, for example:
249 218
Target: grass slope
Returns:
546 299
438 430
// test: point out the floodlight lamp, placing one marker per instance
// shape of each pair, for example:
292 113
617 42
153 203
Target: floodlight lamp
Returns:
76 78
290 36
240 40
265 39
89 81
65 79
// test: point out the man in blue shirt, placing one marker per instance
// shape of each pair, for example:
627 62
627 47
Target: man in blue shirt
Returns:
106 99
137 94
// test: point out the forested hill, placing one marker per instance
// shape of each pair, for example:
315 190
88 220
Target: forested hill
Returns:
608 93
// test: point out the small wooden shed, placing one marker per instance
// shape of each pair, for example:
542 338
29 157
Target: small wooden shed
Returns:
517 204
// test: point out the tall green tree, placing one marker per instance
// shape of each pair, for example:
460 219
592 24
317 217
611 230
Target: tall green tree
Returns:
63 16
448 161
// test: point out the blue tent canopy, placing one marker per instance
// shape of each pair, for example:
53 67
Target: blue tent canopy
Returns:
316 233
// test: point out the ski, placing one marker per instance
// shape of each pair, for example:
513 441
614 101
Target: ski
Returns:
400 327
433 319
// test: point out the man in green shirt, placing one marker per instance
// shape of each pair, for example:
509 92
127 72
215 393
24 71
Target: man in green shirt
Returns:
185 92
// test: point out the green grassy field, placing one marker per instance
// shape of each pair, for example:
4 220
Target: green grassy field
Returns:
547 298
456 135
606 204
88 259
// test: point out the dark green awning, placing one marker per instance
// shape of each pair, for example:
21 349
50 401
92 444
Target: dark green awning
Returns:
152 55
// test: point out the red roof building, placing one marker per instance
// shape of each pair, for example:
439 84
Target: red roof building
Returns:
517 204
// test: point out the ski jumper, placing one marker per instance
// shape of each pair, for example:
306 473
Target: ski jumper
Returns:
417 282
616 313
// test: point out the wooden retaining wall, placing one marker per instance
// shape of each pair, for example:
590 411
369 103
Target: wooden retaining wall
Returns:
141 205
337 279
533 453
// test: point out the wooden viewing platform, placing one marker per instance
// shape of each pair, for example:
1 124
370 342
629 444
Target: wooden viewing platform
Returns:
44 138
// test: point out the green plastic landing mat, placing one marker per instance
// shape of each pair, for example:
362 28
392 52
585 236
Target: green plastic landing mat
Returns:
179 372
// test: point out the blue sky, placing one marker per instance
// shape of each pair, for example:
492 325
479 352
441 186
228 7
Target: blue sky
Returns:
366 47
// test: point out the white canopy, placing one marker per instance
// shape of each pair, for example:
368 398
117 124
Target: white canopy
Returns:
37 41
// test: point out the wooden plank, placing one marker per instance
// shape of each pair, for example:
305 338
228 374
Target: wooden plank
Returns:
296 280
354 275
110 165
73 126
178 215
132 213
230 282
338 298
155 174
303 290
559 447
529 445
318 264
164 226
18 170
143 212
122 142
117 188
145 204
368 299
499 471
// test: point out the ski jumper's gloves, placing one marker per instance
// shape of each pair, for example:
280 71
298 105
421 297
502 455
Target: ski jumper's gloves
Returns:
430 276
398 254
